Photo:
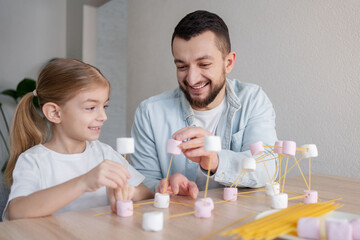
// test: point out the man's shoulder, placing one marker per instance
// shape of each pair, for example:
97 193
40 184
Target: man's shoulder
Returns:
164 98
239 87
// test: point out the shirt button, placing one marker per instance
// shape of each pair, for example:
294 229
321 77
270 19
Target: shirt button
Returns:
222 175
189 161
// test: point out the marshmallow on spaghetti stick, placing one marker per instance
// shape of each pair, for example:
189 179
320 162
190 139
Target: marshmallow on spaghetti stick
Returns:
230 194
125 145
212 144
311 151
311 196
161 200
124 208
279 201
256 148
153 221
203 208
172 147
248 164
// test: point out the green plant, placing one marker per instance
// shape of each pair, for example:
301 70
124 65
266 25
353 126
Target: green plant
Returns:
25 86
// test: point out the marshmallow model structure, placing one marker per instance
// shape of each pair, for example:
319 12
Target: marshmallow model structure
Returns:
256 148
172 147
230 194
337 229
124 208
212 144
161 200
278 147
355 224
279 201
270 188
153 221
289 148
311 152
125 145
248 164
311 196
308 228
203 208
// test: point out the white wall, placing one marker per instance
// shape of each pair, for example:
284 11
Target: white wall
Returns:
31 33
305 55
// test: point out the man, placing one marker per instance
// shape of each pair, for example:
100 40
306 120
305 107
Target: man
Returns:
206 103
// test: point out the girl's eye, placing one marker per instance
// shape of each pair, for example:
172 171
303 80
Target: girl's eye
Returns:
90 108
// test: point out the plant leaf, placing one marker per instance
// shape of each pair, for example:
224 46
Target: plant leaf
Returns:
10 92
25 86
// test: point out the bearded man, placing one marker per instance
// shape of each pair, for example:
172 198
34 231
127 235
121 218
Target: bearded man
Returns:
205 103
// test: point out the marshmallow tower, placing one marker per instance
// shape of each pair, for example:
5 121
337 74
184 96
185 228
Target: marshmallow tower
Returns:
153 221
279 201
203 208
172 147
230 194
212 144
125 145
308 228
124 208
161 200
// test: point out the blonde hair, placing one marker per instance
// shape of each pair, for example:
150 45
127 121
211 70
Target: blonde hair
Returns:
59 81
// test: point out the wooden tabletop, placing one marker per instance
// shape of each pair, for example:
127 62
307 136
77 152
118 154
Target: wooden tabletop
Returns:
84 225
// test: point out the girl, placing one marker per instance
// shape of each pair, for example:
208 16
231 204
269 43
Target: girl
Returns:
69 168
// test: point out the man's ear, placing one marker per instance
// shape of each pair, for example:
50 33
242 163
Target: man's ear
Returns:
52 112
229 62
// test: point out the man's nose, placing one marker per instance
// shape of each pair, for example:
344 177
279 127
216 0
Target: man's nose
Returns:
193 76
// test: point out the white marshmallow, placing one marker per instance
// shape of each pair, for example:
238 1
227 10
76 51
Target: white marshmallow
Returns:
125 145
153 221
270 188
249 164
279 201
212 144
161 200
311 152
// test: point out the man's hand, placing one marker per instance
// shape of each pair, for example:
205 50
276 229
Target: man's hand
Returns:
178 184
194 148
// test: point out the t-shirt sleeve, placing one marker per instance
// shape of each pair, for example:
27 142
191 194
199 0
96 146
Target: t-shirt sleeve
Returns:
26 179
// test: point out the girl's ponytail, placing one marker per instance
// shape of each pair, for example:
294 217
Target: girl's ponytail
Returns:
28 129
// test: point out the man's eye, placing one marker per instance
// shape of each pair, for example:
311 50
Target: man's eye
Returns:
205 64
180 67
106 106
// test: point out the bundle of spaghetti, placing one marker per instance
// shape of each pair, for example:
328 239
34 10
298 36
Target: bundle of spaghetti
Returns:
281 222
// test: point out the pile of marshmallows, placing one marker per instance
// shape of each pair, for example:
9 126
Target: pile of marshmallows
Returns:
309 228
287 148
153 221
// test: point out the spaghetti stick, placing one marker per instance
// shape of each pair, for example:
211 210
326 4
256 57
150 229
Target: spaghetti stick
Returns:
181 214
293 193
290 169
191 145
301 172
227 226
207 179
124 189
185 204
167 175
260 190
237 178
100 214
240 178
263 156
137 213
240 195
287 161
261 161
293 198
269 178
277 169
140 204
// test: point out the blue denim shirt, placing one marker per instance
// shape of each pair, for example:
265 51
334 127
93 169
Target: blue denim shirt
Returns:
249 118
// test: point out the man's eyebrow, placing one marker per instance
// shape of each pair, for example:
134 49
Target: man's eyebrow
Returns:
198 59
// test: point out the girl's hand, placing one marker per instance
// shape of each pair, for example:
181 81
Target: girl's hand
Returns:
117 194
108 173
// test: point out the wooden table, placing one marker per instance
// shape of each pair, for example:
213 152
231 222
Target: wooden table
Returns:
84 225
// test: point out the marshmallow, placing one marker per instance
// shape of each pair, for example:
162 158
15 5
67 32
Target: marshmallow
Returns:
203 208
161 200
172 147
153 221
125 145
270 188
289 148
256 148
278 147
311 196
212 143
308 228
311 150
249 164
279 201
338 229
355 223
230 194
124 208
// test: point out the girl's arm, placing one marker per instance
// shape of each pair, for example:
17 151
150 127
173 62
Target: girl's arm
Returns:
47 201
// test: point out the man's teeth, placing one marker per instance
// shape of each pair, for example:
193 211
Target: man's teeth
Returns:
198 87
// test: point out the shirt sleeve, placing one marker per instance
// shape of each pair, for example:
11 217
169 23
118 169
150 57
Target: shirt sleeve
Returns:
145 157
260 127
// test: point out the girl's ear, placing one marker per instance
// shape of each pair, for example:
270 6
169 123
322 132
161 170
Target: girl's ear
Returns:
52 112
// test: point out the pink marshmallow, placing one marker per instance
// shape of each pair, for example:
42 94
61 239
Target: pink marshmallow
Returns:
256 148
355 223
311 196
124 208
338 229
289 148
172 147
278 147
230 194
308 228
203 208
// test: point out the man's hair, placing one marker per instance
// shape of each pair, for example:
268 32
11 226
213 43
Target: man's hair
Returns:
195 23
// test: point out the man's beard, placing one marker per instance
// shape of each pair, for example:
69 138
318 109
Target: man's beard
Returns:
201 103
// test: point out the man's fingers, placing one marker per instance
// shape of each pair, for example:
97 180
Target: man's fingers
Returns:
193 189
190 132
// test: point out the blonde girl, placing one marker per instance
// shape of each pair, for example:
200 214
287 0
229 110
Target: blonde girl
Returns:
58 165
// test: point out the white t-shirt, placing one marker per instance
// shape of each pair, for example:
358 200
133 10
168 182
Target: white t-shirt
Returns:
208 120
40 168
